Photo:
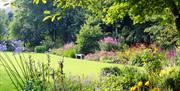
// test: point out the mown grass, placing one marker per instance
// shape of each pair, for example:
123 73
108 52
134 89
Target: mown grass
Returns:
71 66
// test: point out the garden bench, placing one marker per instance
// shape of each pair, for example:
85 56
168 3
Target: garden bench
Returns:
81 56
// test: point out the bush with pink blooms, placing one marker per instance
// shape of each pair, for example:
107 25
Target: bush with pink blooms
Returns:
109 44
104 56
69 45
68 50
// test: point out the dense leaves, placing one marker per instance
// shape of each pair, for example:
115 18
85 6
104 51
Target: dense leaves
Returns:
90 34
3 24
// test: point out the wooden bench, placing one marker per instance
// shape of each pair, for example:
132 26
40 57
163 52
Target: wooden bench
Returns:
81 56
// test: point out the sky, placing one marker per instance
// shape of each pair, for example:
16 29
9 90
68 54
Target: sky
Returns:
7 7
2 2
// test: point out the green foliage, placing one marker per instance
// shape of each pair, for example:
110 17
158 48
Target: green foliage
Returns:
27 24
152 60
109 46
48 42
71 23
69 53
88 37
131 75
122 79
3 24
140 11
57 51
40 49
110 71
137 60
170 78
164 36
27 75
130 33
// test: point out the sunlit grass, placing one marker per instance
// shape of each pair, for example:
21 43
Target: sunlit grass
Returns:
71 66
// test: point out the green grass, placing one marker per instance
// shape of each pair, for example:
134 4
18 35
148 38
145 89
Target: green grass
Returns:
71 66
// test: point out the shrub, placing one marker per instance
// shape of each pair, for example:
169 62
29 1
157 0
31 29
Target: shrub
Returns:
108 44
144 86
137 60
131 75
110 71
128 55
92 57
123 78
165 36
87 39
40 49
107 56
171 78
69 52
58 51
48 42
152 60
69 45
103 56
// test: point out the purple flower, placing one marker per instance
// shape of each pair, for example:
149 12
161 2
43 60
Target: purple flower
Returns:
111 87
17 46
16 43
18 49
98 89
3 47
171 54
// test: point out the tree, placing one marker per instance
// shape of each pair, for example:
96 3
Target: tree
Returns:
3 24
143 10
27 23
112 10
88 37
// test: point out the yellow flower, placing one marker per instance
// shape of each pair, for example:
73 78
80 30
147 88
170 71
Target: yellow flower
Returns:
156 89
147 83
133 88
140 84
155 50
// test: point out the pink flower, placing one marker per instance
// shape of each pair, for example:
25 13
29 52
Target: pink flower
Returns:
160 49
171 54
69 45
110 40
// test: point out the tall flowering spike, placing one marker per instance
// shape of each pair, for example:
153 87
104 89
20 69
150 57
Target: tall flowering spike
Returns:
3 47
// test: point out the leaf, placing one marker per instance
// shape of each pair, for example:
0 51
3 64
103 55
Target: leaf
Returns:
35 1
54 17
44 1
59 18
46 18
47 12
12 6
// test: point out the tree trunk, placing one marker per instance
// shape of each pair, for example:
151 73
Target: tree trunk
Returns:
177 21
175 11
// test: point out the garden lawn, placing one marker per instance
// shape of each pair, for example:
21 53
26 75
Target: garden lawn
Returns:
71 66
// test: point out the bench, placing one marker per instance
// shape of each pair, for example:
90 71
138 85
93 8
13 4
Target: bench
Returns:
81 56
